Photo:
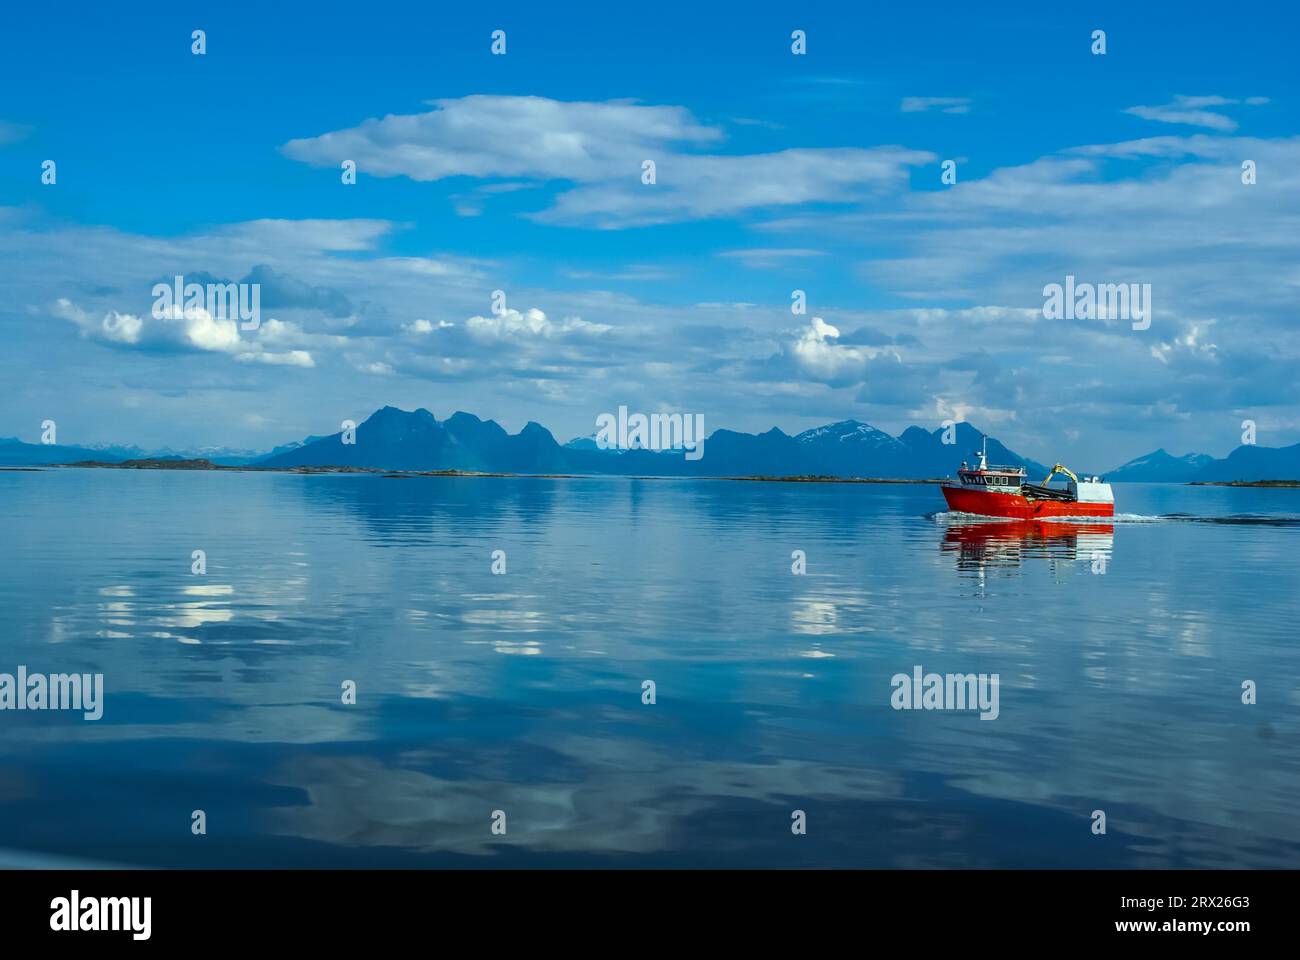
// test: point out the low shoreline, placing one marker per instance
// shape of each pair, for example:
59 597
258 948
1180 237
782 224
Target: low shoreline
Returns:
1244 483
815 479
208 465
156 464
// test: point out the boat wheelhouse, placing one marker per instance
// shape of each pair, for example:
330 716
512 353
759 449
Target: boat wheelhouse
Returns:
991 477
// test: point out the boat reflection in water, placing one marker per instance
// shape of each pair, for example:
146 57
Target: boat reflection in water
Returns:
981 546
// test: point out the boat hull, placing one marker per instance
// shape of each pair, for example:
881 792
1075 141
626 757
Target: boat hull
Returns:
1016 507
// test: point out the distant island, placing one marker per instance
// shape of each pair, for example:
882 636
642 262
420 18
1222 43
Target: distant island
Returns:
167 463
162 463
200 464
415 442
1245 483
833 479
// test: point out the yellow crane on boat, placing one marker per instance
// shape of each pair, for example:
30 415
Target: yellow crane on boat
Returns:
1059 468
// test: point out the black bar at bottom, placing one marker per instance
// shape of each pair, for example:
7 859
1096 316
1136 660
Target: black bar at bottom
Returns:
303 908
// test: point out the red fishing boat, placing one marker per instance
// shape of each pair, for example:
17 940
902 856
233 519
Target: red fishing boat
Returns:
994 491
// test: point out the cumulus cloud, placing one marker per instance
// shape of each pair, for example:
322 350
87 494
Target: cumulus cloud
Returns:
1190 342
198 328
420 326
941 409
517 345
113 327
291 358
530 325
816 353
192 329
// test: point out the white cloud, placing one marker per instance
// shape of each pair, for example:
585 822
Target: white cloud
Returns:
764 258
599 148
419 326
692 187
198 328
530 325
946 408
1191 342
944 104
503 136
1193 111
817 353
11 132
192 329
1141 211
292 358
334 236
114 327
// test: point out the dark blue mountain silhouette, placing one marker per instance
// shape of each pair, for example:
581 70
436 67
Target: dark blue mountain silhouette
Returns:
1245 463
1161 467
1255 463
395 439
13 452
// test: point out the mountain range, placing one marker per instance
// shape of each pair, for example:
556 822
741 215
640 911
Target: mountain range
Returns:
394 439
1162 467
400 440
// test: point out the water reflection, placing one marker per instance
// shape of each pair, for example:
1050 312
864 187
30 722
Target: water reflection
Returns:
982 546
522 691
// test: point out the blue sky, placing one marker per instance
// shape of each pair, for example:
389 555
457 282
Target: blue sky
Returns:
775 172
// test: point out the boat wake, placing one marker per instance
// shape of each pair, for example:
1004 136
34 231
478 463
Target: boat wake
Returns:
1237 519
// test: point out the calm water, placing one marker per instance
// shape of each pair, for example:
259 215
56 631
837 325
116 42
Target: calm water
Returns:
1120 690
